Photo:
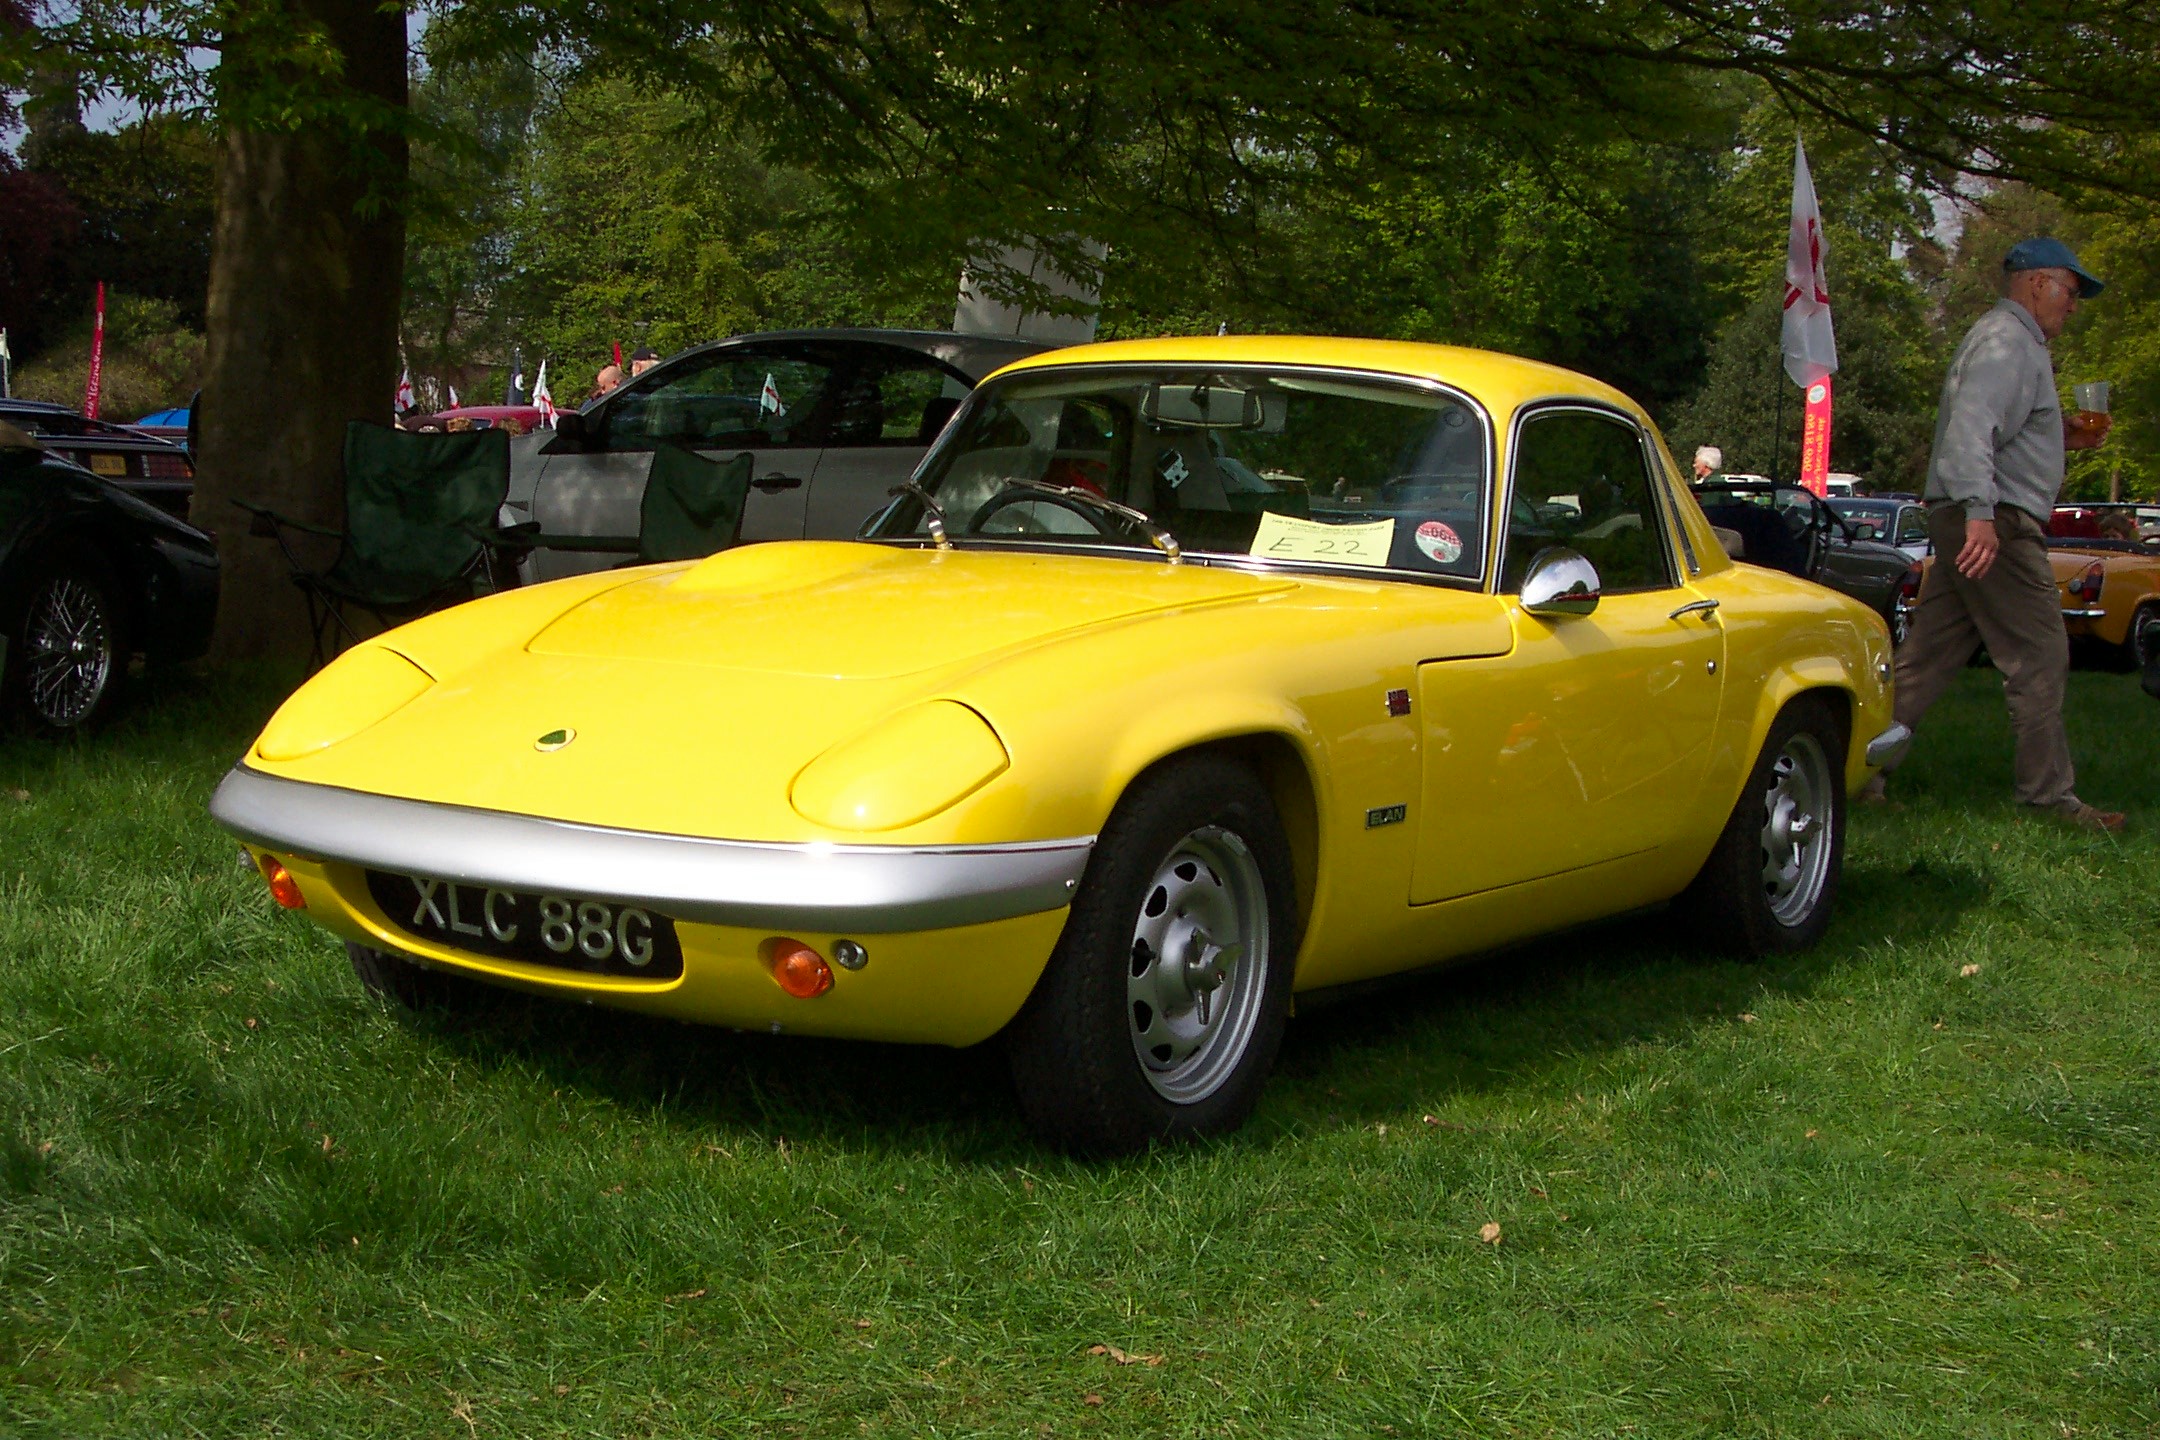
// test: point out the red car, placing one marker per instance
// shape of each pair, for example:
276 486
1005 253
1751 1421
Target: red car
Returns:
483 417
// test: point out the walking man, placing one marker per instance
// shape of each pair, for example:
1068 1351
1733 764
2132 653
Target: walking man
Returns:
1997 468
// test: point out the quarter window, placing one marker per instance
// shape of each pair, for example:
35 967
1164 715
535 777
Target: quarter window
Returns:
1581 482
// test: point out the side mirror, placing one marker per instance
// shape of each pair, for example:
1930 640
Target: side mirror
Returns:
570 434
1560 582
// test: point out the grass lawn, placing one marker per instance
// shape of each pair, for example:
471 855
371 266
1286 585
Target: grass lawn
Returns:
1904 1185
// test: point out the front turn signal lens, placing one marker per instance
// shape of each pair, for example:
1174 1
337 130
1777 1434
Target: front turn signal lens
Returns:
797 969
283 888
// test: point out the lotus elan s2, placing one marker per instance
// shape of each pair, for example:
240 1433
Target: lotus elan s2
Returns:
1186 675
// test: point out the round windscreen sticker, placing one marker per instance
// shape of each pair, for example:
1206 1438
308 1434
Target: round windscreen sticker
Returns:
1439 542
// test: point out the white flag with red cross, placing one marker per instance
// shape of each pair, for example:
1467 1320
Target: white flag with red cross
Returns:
1810 347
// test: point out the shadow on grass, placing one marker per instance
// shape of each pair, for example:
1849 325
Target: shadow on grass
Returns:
1465 1028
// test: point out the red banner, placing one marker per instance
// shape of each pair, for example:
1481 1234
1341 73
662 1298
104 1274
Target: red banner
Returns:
97 359
1815 438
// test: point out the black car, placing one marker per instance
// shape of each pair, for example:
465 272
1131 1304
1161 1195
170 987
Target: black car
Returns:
90 576
150 468
1785 527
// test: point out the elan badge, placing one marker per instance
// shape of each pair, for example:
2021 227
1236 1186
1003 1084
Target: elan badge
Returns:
1285 537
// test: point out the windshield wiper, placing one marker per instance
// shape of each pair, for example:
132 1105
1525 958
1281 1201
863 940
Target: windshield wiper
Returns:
933 513
1157 536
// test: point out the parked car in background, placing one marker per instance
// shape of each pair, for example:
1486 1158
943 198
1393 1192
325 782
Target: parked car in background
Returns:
1784 527
2110 596
1191 674
478 417
90 575
146 466
834 419
168 424
1898 522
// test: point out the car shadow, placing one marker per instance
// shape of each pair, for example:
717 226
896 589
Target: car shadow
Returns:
1376 1055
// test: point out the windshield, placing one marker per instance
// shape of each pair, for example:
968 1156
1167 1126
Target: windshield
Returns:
1272 464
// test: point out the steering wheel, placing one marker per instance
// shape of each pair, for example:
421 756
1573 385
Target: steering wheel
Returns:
1097 520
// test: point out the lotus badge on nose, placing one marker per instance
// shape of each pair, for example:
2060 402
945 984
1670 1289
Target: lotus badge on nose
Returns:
554 740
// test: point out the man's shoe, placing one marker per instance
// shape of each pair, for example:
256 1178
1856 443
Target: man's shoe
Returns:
2085 817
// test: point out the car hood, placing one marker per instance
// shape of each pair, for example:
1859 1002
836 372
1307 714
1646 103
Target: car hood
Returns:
868 612
687 700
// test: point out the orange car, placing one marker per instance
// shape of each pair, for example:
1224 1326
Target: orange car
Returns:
2111 594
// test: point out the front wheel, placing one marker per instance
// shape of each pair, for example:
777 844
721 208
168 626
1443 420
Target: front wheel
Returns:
70 646
1160 1012
1771 880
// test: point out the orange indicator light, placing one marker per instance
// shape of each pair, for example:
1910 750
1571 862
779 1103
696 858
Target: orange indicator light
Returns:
283 888
797 969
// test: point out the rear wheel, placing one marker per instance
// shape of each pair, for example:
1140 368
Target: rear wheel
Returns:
2141 647
408 983
1160 1012
68 650
1771 881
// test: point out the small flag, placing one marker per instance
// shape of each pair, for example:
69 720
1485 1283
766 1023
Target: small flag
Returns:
768 400
403 400
97 359
543 399
618 354
454 402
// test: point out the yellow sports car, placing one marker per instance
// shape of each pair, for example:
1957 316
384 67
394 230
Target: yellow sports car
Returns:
1187 675
2111 595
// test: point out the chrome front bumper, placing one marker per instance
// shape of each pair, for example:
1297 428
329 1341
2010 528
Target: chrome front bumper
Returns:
1889 747
2096 613
867 889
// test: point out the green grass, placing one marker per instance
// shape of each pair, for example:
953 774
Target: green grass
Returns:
1857 1194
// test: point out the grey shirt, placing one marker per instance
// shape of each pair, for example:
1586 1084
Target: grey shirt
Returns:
1999 430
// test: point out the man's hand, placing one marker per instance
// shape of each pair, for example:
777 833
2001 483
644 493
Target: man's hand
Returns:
2085 432
1981 543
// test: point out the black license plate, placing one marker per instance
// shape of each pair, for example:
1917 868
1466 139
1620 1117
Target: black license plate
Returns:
565 932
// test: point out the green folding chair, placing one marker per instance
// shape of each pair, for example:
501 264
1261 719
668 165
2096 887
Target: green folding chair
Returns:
422 530
693 507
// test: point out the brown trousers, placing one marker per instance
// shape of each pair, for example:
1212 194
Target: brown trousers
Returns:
2016 611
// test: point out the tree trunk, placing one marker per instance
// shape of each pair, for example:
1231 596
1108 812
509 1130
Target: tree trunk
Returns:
306 278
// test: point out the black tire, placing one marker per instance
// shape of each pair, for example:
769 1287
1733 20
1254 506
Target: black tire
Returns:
1076 1048
68 644
2141 646
409 983
1734 903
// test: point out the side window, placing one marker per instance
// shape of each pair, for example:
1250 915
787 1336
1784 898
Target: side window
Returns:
745 400
1912 526
1580 481
897 401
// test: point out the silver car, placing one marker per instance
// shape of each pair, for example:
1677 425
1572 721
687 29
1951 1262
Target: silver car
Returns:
834 419
1902 523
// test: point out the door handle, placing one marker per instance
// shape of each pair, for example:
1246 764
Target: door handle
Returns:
1694 607
774 483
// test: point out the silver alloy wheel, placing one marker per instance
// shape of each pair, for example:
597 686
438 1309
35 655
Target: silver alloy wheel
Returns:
68 652
1198 965
1796 829
1900 621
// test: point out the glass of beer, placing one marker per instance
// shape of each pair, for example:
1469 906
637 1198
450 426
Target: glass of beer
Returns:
2092 399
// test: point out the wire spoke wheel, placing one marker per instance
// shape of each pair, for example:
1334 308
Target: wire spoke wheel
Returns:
1198 966
1796 840
70 651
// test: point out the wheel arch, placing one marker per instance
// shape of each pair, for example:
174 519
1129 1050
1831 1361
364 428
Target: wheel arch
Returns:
1824 678
1281 760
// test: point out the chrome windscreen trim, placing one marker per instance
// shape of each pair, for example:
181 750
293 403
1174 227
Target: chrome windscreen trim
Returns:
1889 747
865 889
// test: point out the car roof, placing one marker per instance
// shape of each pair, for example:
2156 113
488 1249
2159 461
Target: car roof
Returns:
974 355
1502 380
99 432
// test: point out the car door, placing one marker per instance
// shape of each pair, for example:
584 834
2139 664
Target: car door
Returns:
771 400
1588 741
889 405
